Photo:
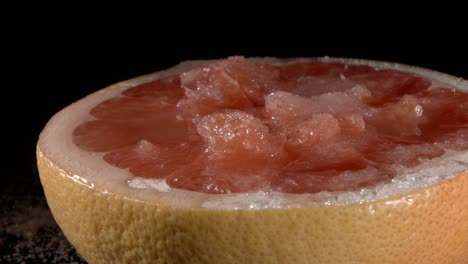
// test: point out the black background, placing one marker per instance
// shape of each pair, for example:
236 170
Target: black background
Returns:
56 56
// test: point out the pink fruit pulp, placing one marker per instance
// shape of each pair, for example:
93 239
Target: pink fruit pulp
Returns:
239 126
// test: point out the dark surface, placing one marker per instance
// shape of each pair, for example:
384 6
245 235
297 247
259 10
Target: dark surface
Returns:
56 57
29 234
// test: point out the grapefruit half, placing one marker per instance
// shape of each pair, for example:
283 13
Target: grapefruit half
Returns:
418 215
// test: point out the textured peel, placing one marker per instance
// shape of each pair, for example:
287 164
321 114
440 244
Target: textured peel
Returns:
109 222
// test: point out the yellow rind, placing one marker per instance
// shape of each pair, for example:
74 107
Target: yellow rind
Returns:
427 226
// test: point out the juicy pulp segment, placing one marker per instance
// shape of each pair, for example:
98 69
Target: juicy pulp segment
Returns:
239 126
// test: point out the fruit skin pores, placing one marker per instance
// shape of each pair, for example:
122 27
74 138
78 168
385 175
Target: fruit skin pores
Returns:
177 218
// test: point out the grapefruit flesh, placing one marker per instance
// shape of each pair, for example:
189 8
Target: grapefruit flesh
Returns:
238 126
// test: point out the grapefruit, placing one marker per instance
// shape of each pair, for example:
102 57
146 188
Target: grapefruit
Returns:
264 161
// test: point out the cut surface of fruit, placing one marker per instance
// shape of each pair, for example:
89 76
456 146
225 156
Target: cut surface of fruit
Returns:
236 126
323 175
